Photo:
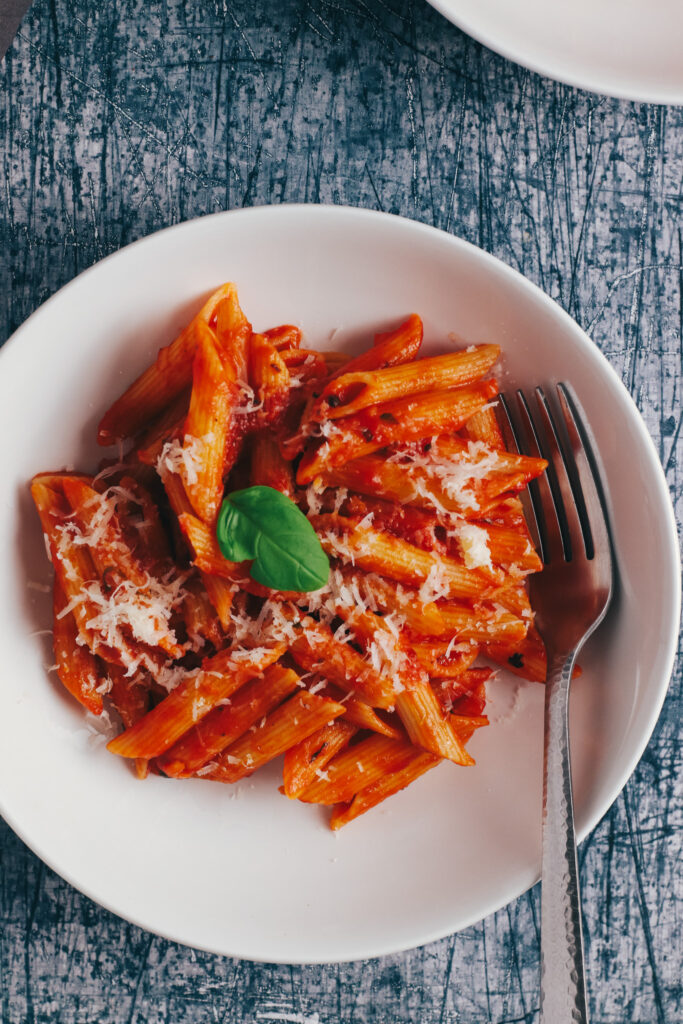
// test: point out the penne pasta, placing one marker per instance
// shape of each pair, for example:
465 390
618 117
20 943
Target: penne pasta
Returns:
390 783
485 624
191 700
162 382
269 378
386 555
390 348
201 624
357 767
227 723
220 593
76 665
168 427
300 717
286 336
206 554
421 714
268 466
350 392
398 422
308 758
483 426
378 488
200 461
315 648
357 712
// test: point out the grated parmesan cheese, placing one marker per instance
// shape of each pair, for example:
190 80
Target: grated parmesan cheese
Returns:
455 473
435 585
474 546
184 458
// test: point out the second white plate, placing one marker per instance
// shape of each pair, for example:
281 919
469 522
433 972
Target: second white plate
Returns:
626 48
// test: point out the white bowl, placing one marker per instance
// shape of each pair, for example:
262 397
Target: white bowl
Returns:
241 870
631 50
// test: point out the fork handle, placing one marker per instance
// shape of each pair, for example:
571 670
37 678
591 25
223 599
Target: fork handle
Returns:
563 989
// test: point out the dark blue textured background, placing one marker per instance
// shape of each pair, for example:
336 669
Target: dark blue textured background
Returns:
118 119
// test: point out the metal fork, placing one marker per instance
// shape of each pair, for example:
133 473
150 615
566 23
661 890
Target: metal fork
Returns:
570 597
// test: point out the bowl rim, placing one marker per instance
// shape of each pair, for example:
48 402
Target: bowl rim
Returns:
332 211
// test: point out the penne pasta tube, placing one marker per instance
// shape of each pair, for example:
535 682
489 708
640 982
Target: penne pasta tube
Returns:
357 712
152 539
130 698
308 758
443 659
404 420
485 624
286 336
220 593
464 695
73 566
227 723
373 476
386 786
483 426
268 467
316 650
160 383
390 348
200 462
166 428
506 546
206 554
96 516
301 716
527 658
389 556
269 378
192 699
201 623
466 725
350 392
357 767
233 332
76 665
421 714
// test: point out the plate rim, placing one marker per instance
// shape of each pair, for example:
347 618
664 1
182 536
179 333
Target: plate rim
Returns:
526 59
582 338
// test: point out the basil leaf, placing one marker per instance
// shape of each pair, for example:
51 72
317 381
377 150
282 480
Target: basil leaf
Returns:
261 525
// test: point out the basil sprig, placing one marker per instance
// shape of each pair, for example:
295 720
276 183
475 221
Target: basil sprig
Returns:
263 525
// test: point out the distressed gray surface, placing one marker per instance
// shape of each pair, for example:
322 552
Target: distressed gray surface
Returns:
116 120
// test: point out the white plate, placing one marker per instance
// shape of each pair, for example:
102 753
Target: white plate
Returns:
241 870
626 48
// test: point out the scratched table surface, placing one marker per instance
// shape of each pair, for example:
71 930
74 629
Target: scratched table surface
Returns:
119 119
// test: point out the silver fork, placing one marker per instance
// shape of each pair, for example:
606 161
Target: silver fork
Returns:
570 597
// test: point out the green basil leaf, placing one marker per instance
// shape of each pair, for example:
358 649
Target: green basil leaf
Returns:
261 525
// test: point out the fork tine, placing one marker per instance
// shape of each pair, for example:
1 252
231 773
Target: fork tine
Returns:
598 546
577 542
545 506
